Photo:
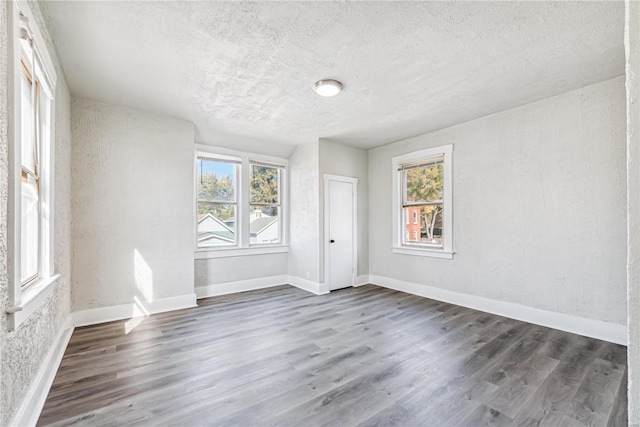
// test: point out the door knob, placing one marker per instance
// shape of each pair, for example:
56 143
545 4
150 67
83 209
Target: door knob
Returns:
332 241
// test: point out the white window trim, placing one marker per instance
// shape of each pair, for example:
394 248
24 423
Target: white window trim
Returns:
23 302
446 252
243 247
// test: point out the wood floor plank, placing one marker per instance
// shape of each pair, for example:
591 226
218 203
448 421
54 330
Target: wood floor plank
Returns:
362 356
595 397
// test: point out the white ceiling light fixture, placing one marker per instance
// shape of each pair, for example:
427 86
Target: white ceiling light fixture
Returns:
327 87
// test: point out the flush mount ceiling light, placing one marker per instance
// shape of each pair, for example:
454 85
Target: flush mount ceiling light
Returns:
327 87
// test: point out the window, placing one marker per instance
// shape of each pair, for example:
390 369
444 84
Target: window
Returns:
265 203
217 191
35 119
240 203
422 194
30 224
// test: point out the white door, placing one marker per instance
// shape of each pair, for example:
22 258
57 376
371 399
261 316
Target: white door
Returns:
341 234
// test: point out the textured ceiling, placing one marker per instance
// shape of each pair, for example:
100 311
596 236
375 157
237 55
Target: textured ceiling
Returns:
242 72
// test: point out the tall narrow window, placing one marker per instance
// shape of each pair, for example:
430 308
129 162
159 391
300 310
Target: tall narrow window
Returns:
31 157
423 196
265 210
217 201
30 180
34 139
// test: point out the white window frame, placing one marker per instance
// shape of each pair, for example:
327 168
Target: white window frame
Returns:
237 194
243 244
25 300
281 175
446 252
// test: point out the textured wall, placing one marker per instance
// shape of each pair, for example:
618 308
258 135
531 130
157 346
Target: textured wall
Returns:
132 206
4 145
304 212
221 270
632 45
339 159
539 206
23 350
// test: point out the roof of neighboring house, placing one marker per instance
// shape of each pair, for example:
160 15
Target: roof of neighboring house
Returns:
227 236
259 224
202 217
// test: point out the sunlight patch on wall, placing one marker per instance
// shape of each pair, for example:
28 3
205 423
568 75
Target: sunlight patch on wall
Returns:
143 276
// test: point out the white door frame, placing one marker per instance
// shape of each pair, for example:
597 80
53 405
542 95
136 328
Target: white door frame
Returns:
354 181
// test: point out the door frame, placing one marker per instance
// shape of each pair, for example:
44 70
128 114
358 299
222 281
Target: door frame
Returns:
326 211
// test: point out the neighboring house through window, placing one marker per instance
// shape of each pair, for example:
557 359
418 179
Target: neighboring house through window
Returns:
423 203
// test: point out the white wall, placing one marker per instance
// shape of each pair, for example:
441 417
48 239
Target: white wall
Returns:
132 206
632 46
539 206
23 351
304 213
338 159
216 271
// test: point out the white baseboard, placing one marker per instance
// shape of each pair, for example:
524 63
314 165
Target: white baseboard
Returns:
34 400
606 331
240 286
362 280
308 285
137 308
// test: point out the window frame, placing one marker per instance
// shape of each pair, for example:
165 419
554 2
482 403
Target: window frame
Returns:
243 244
26 297
281 174
398 247
237 179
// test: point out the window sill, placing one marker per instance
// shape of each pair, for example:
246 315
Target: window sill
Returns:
31 299
234 252
432 253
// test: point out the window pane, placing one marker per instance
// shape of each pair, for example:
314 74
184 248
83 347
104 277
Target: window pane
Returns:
264 184
424 184
216 180
216 225
264 224
428 231
30 229
26 125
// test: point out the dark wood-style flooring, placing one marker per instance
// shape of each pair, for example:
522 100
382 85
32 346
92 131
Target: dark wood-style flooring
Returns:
360 356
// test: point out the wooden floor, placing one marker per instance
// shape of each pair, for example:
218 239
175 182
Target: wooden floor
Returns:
360 356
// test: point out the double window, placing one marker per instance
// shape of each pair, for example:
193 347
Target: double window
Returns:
423 211
239 201
30 225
